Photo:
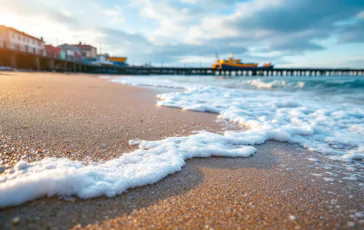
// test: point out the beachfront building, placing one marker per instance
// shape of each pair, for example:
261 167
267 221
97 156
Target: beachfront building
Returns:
104 59
72 52
14 39
55 52
87 51
99 60
118 61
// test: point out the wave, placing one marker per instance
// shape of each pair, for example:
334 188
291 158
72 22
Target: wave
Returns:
151 81
328 128
260 84
306 84
338 84
347 84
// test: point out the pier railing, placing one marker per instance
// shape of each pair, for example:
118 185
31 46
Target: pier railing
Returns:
244 72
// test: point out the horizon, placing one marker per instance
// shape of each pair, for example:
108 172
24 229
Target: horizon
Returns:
288 33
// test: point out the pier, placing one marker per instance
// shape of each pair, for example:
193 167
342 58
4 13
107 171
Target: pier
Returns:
28 60
246 72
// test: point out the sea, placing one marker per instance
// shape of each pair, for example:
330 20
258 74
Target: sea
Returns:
324 115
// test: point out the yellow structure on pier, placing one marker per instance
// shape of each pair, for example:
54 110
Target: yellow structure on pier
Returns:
119 61
232 63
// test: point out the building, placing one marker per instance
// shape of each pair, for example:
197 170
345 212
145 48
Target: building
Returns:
72 52
100 60
14 39
53 52
87 51
104 59
118 61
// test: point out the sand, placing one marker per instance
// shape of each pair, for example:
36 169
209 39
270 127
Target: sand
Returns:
82 116
87 118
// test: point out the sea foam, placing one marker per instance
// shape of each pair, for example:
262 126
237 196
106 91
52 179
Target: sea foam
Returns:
153 161
328 128
304 118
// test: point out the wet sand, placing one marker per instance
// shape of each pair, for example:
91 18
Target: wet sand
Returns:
83 117
86 118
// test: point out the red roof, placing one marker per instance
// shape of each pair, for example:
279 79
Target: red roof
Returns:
52 49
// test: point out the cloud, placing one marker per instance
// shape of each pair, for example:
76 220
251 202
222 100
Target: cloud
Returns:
62 18
175 31
285 25
115 14
140 48
288 16
39 8
361 15
352 33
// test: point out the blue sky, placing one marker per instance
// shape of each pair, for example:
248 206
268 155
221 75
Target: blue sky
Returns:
302 33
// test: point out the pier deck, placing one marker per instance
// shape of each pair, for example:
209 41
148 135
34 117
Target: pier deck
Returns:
244 72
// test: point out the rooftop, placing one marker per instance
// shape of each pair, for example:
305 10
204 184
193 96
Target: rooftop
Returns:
69 47
2 27
84 46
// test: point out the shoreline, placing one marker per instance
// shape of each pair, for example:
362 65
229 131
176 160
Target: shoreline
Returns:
85 114
261 191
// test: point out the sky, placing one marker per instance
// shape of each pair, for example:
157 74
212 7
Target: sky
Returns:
287 33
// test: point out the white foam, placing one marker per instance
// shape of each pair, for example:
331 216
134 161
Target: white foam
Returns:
134 142
266 85
328 179
293 218
351 177
153 161
313 159
272 84
286 117
151 81
21 165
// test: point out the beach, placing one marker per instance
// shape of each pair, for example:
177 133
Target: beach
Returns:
90 119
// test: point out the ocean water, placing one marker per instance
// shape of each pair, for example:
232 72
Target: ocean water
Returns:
322 114
334 87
